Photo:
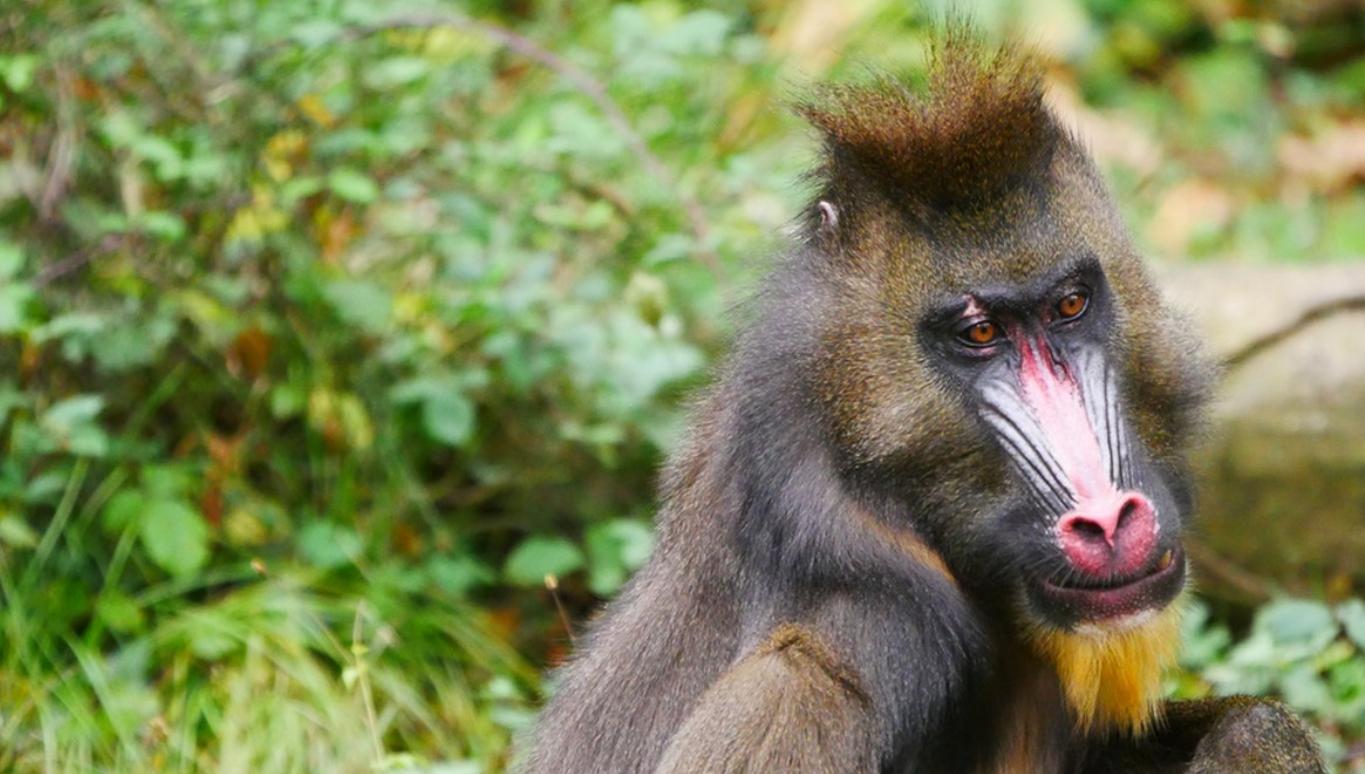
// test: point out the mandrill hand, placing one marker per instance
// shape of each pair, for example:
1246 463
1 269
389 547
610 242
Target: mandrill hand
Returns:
1256 735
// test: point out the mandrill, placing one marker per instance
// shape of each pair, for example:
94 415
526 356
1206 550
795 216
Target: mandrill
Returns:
929 518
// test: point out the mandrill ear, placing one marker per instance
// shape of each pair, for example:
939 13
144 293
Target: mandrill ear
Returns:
829 217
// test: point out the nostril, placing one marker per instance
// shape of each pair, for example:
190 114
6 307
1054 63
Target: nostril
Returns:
1086 529
1126 512
1134 514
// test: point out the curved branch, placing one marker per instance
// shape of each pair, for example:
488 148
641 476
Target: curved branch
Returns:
1244 582
1309 316
77 259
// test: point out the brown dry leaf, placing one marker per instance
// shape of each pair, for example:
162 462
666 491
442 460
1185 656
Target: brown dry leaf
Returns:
406 540
225 462
1330 161
283 152
30 360
557 652
335 233
504 621
211 504
249 353
225 451
1193 205
311 105
85 89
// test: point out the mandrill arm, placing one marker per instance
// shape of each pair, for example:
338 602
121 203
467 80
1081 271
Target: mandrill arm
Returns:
860 683
787 706
1228 735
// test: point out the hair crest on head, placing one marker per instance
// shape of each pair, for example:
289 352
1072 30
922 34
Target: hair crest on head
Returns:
976 130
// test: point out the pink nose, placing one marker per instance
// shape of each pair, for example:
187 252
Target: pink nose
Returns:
1109 535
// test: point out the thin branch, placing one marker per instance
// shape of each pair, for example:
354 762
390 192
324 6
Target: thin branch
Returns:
61 160
1309 316
1229 573
552 584
77 259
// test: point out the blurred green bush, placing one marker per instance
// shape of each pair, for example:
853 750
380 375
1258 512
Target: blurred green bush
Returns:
329 329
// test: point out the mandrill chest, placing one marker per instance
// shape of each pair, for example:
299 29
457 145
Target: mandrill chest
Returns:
1032 728
1052 695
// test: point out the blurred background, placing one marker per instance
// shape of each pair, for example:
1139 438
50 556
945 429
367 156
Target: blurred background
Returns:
330 328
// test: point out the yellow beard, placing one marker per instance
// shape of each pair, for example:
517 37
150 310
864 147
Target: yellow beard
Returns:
1112 679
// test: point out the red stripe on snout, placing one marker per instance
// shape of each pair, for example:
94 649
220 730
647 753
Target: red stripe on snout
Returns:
1055 398
1108 531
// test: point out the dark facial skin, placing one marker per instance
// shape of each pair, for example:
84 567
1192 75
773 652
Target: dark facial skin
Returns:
1095 525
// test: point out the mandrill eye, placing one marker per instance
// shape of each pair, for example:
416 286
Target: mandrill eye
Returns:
980 334
1072 305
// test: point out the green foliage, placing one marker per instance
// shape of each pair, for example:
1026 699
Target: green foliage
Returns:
1305 651
539 557
327 331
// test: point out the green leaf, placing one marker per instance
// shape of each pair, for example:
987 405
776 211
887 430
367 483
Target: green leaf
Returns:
16 532
700 33
175 536
361 303
11 399
419 389
287 400
316 32
1201 644
128 344
119 612
1303 626
448 417
327 545
353 185
1304 689
355 421
459 574
209 638
45 486
17 71
394 72
614 549
1351 613
73 411
14 301
168 481
11 259
70 425
165 225
454 767
537 557
87 441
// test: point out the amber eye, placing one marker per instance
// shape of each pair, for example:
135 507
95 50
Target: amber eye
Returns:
981 333
1072 305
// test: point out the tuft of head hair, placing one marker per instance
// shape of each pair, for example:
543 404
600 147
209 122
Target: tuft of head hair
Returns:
978 129
1112 680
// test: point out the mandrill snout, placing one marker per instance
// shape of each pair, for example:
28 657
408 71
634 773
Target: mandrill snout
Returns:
1109 536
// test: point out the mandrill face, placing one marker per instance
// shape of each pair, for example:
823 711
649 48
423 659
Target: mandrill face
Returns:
1092 522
